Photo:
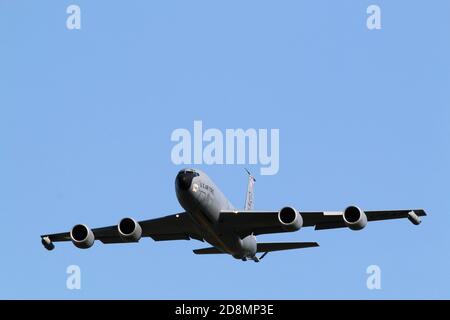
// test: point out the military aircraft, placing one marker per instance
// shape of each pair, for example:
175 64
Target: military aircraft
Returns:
210 217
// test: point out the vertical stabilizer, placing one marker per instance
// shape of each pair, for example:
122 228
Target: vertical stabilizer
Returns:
249 196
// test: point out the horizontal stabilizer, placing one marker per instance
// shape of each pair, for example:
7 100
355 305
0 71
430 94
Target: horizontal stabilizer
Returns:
265 247
210 250
268 247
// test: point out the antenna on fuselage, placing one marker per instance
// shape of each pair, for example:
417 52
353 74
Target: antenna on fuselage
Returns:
249 196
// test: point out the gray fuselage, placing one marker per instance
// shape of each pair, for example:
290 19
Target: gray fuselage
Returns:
204 201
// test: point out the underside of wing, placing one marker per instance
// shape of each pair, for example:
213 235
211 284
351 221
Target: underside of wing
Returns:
335 219
245 223
173 227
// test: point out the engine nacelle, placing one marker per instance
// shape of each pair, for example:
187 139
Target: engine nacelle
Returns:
82 236
129 230
290 219
354 218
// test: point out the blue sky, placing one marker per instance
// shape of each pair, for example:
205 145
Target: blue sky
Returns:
86 117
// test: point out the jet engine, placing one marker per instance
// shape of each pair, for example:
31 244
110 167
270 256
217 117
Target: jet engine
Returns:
129 230
354 218
290 219
82 237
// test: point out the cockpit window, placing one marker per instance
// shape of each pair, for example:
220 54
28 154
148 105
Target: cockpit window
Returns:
184 179
190 172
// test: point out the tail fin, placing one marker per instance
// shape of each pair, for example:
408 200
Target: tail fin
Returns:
249 196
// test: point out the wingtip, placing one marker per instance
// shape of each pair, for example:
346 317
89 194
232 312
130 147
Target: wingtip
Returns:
414 217
47 243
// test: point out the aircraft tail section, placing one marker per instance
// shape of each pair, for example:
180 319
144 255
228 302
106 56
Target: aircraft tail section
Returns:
249 196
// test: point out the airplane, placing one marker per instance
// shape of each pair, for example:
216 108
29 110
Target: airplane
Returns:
209 216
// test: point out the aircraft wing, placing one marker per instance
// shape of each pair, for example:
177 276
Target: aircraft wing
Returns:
174 227
263 222
331 220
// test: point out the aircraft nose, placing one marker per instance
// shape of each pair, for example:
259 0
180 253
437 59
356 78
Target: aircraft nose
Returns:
184 180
